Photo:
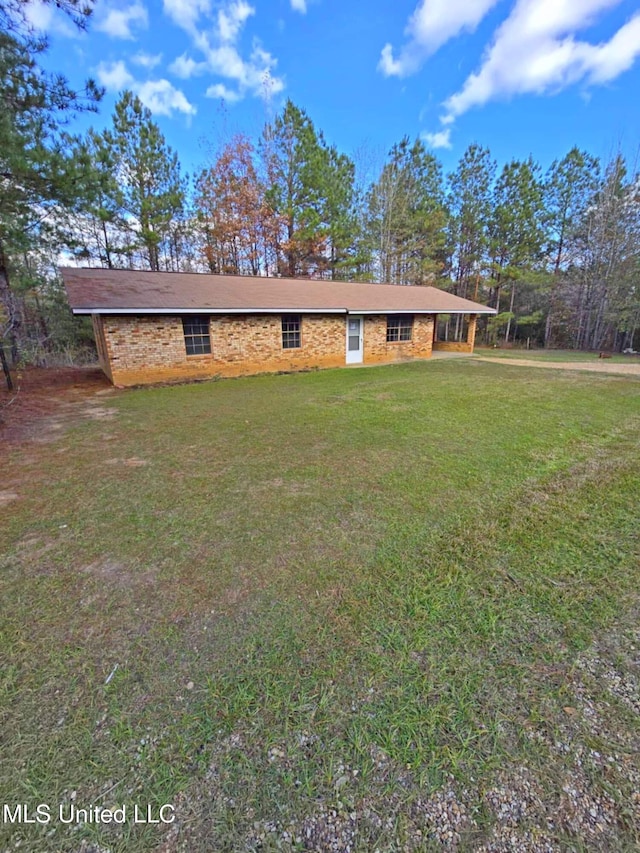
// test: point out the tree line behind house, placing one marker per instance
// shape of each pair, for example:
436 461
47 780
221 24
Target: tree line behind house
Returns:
556 253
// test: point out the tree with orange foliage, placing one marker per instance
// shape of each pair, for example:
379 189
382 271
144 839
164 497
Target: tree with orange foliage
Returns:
238 226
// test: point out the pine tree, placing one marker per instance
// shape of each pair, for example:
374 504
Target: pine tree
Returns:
516 233
151 190
340 215
43 169
470 207
296 168
569 189
102 230
470 213
407 216
607 298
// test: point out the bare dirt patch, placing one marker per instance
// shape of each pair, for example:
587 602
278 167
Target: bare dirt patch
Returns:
48 400
98 413
132 462
116 574
603 366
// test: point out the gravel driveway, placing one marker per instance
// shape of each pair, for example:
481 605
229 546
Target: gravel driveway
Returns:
598 365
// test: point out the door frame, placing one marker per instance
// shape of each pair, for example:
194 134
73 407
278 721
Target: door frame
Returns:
355 356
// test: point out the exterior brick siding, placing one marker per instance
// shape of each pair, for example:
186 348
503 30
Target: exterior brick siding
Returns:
378 351
138 350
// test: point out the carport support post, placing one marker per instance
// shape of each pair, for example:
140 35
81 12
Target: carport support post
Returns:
471 331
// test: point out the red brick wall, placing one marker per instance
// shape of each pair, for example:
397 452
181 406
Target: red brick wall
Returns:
144 350
377 350
152 349
452 346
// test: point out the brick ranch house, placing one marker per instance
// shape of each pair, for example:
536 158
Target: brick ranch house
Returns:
167 327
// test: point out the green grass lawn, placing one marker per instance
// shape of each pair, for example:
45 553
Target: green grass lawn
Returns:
553 355
335 591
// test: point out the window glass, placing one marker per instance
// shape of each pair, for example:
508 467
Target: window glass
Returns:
291 332
399 327
196 335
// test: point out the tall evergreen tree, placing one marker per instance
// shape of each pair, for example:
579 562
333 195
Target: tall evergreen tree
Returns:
340 215
296 166
103 233
470 207
607 292
407 216
569 189
469 204
151 191
42 167
516 232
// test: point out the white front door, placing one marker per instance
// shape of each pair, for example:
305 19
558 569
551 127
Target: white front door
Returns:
355 339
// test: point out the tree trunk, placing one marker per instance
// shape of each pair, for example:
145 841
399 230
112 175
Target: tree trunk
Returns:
9 301
551 310
5 368
42 323
107 249
547 329
513 296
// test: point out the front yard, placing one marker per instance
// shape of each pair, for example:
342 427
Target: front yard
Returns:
381 608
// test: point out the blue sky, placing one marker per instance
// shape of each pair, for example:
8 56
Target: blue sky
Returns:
519 76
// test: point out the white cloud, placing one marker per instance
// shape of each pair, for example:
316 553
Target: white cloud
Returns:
185 13
232 19
114 76
147 60
615 57
219 90
249 75
118 23
43 18
163 98
185 67
299 6
536 51
433 23
440 139
216 36
389 66
160 96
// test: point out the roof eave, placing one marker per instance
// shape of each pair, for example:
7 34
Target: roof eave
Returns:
290 310
480 310
206 310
